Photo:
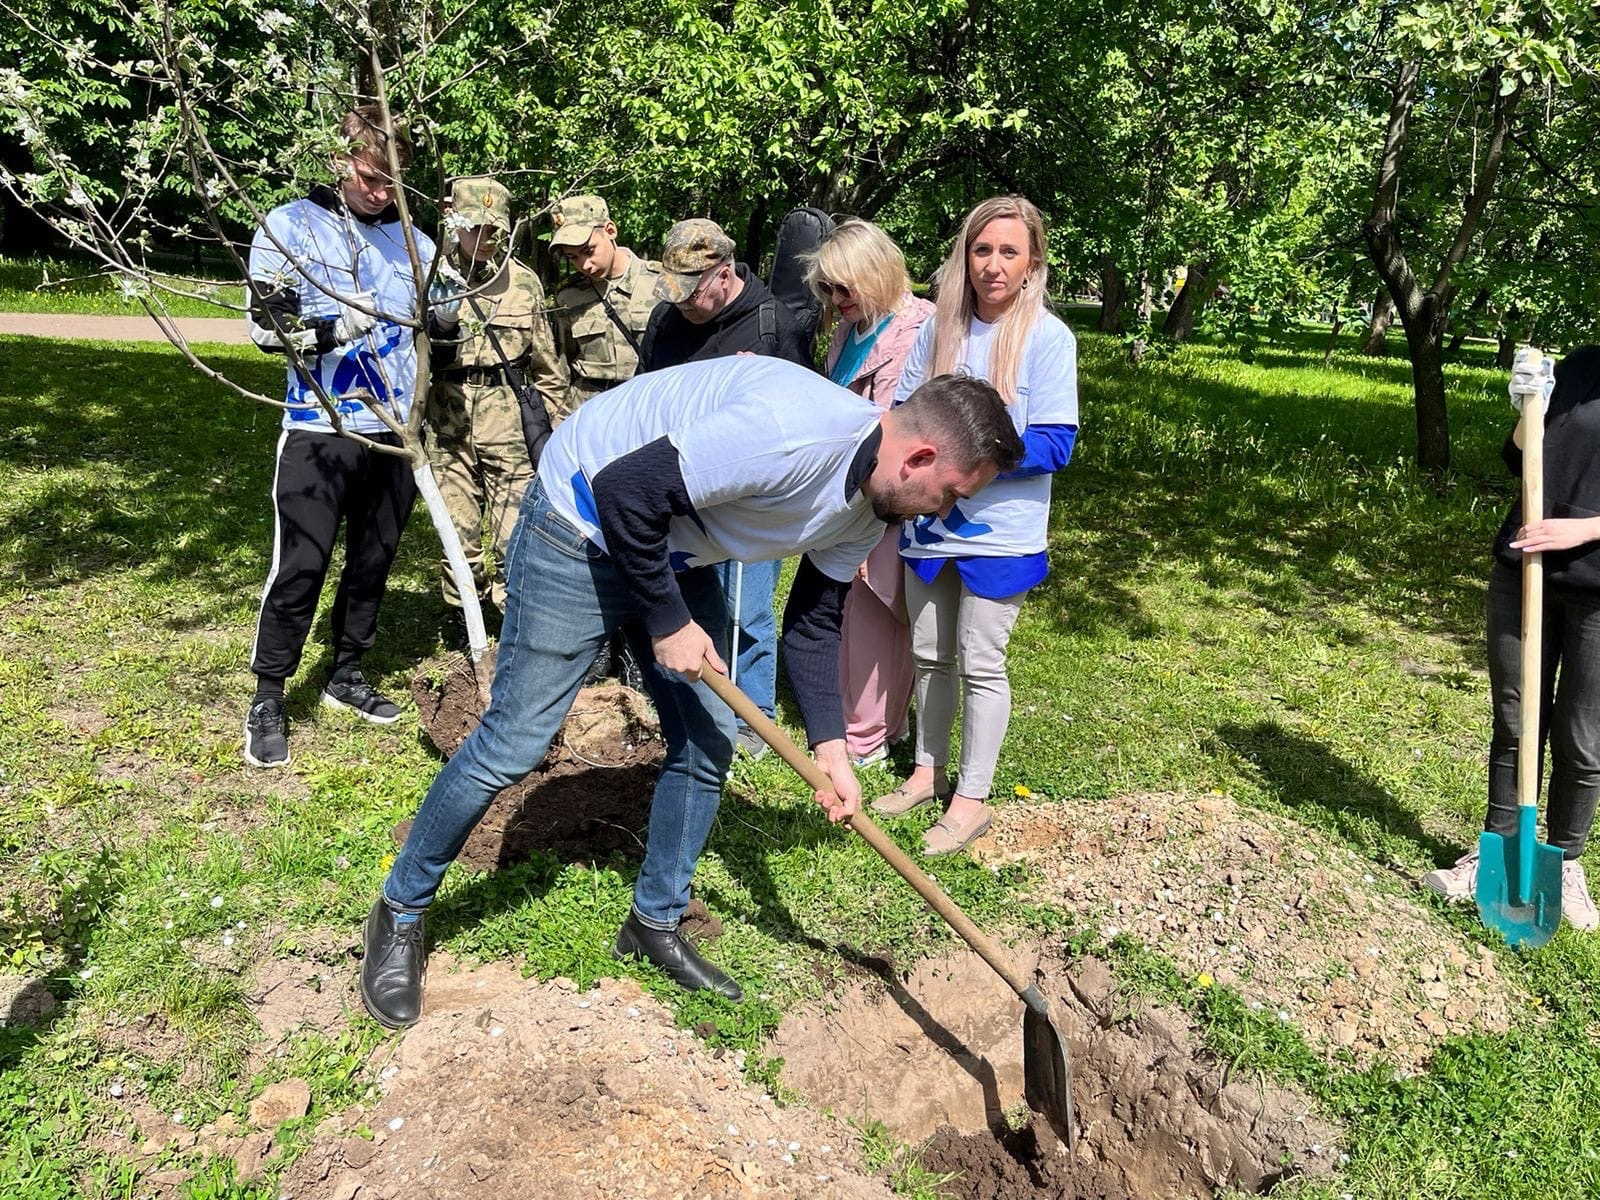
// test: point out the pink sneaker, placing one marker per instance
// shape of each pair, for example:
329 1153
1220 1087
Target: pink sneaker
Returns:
1457 884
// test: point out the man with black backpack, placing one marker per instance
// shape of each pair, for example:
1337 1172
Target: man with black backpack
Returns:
715 307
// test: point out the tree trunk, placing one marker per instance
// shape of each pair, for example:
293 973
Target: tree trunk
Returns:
1333 332
1427 383
1186 305
1423 310
1376 342
755 232
1113 291
1141 312
1510 333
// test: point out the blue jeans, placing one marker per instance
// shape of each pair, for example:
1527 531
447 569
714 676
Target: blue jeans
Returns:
758 629
563 599
1569 708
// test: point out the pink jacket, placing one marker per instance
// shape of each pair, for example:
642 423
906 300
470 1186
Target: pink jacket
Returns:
881 372
883 572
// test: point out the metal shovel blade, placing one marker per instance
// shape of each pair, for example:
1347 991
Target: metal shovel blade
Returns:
1047 1069
1527 914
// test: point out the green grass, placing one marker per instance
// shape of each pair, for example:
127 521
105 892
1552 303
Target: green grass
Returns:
1251 591
57 286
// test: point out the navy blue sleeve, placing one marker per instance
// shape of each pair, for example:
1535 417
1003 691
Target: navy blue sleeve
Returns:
1045 450
637 496
811 620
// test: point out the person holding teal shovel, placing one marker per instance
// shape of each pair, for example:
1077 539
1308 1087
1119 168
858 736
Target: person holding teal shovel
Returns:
1568 540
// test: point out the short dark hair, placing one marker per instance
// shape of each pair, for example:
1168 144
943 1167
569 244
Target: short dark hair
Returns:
363 132
966 418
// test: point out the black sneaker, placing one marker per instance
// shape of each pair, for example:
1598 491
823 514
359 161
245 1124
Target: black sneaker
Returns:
266 735
360 697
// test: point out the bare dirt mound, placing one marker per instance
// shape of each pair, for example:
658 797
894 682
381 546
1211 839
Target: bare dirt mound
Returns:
591 795
940 1053
1291 919
509 1087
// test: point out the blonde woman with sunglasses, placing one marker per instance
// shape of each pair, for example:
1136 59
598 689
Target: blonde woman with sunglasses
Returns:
966 574
861 274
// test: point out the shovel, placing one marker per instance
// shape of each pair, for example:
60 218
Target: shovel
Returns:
1046 1068
1519 879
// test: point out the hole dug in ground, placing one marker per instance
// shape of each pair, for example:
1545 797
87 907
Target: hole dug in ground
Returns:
938 1057
590 796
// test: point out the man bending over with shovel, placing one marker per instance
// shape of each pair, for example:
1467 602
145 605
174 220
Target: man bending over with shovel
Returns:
639 494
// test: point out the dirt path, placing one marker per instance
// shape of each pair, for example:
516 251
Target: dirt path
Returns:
96 327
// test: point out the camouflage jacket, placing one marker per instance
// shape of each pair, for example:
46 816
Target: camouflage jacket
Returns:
513 305
597 354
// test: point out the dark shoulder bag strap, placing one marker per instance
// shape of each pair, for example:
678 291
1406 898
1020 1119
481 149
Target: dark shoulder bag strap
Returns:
616 317
536 428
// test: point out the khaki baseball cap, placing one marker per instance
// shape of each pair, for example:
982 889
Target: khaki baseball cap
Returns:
576 218
480 200
693 248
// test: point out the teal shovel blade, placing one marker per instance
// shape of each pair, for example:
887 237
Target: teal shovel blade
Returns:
1519 884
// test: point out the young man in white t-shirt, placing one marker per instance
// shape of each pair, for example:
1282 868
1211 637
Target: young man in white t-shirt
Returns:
639 494
333 286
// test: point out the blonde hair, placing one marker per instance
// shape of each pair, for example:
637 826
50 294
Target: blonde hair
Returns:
865 259
955 310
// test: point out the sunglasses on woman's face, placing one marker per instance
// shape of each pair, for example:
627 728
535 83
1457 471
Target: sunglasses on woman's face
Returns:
840 291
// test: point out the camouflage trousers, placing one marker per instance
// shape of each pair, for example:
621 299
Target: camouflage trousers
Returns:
481 463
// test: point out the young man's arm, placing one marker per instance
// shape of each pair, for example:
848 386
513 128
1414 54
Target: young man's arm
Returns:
636 498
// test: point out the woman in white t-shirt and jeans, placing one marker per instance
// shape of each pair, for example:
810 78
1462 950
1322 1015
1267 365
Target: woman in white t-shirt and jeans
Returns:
967 574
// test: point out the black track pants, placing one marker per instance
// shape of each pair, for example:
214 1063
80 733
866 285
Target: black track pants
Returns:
321 479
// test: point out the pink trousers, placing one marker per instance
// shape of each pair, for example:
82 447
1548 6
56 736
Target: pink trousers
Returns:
876 670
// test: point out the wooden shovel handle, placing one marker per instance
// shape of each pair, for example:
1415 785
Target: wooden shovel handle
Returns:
805 766
1532 605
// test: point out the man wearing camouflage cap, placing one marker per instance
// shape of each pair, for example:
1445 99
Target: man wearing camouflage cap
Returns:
716 307
600 316
482 446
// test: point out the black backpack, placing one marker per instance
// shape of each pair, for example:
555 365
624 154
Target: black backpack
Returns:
801 232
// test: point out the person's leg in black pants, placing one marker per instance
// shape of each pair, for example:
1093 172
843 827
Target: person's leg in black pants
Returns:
381 492
309 487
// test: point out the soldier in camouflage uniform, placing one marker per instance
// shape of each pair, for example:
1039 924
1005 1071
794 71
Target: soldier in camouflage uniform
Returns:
475 439
601 315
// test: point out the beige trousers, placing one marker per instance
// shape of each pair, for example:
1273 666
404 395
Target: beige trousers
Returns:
958 638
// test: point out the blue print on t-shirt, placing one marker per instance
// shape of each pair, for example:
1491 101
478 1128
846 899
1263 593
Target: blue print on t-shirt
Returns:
956 523
356 370
583 497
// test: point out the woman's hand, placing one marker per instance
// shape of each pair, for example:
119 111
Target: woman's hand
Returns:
1556 533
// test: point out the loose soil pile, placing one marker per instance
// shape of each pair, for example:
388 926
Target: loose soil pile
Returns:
591 795
1297 923
509 1087
940 1053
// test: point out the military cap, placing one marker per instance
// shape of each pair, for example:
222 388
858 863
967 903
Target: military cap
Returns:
693 248
480 200
576 218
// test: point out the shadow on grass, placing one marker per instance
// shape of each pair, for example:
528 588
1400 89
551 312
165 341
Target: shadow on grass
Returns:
1305 776
1290 499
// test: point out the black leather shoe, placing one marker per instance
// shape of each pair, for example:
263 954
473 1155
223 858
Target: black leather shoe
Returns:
671 951
391 972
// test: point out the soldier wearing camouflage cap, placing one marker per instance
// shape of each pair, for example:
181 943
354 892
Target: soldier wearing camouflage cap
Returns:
601 314
483 446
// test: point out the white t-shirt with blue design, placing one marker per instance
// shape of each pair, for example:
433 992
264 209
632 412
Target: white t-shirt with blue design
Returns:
1010 517
345 256
765 447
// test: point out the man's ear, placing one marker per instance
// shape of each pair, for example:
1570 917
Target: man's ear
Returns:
611 230
922 454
